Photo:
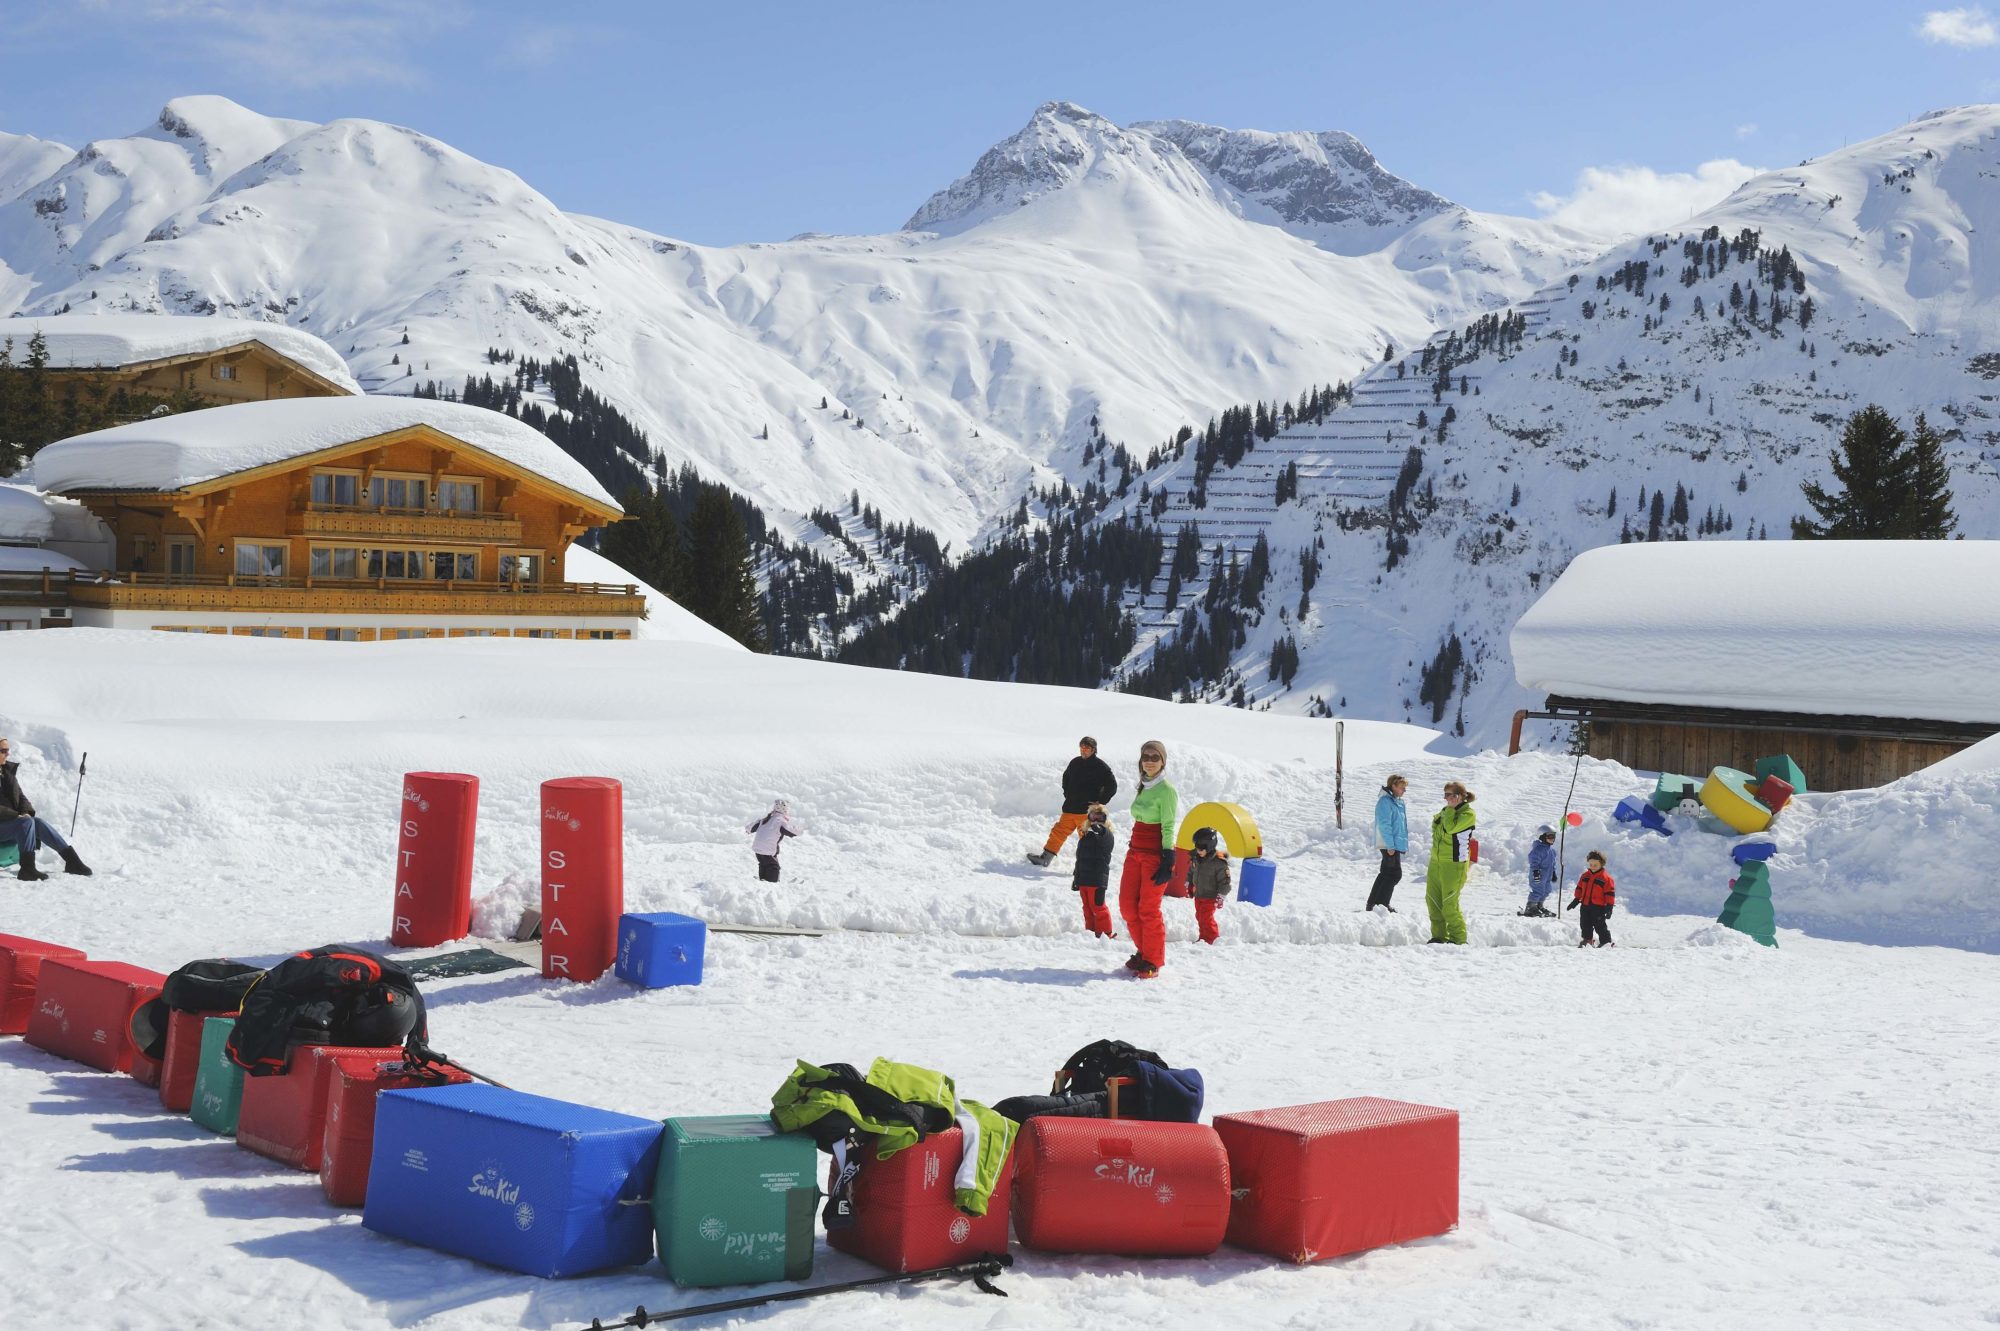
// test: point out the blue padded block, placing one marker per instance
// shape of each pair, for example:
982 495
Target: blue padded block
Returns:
1255 880
519 1181
662 949
1652 818
1753 850
1630 809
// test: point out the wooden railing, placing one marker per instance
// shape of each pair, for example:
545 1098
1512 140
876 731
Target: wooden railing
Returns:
311 519
255 592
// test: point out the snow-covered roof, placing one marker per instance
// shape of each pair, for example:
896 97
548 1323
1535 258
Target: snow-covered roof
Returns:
32 559
23 515
175 452
103 341
1903 629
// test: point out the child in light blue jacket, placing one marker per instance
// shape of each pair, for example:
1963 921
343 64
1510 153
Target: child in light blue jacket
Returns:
1541 871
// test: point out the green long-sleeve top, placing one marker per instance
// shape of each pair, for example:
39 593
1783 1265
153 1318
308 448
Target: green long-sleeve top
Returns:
1158 803
1451 834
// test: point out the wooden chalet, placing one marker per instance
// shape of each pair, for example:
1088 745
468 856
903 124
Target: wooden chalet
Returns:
155 358
353 518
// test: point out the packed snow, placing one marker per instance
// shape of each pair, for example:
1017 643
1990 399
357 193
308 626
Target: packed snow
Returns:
33 559
1688 1129
666 620
96 341
1837 628
172 452
24 518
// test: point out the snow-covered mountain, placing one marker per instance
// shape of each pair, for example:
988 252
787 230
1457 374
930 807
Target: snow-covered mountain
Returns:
1718 361
1080 270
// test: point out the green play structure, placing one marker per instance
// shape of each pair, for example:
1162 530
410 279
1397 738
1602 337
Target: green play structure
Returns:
1748 909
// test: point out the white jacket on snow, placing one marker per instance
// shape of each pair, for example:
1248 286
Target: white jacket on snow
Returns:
770 830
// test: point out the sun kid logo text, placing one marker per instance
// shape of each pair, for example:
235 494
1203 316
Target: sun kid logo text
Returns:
490 1182
1126 1171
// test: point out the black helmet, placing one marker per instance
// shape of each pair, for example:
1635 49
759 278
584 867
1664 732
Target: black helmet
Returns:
1204 840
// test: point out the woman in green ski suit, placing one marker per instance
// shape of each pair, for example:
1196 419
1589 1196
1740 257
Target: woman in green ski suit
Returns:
1451 855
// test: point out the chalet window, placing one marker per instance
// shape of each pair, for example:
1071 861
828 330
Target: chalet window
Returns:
255 560
397 564
180 557
520 568
337 635
447 565
225 371
400 634
333 487
406 492
336 562
458 496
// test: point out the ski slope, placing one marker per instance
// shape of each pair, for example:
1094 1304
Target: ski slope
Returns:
1685 1130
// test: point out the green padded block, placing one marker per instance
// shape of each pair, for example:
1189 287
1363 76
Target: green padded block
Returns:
1672 788
10 855
734 1200
1752 916
1782 767
1753 880
218 1083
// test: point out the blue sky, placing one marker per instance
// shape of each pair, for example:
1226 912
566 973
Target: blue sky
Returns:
725 123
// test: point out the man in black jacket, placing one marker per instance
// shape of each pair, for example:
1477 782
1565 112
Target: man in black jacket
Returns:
1086 781
19 825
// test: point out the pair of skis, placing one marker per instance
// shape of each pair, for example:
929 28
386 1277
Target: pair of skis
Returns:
980 1271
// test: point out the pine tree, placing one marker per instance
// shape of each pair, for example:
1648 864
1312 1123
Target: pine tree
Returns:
648 543
1890 487
721 580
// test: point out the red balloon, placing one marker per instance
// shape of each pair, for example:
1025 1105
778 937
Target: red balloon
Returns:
1576 820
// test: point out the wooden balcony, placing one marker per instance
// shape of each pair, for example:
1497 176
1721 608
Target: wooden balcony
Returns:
250 594
329 521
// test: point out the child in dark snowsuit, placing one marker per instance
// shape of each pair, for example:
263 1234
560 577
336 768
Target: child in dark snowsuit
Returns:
1541 871
1208 878
1597 893
1093 870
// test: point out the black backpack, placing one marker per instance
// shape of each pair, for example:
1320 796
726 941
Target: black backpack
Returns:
217 985
1088 1071
330 995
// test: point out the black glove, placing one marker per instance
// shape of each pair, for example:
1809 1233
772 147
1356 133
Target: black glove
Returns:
1570 906
1165 873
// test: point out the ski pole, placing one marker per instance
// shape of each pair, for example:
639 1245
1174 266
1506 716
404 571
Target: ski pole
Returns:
81 768
1339 772
980 1271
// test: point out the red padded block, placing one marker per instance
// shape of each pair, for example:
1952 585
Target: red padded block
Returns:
284 1117
1122 1186
1774 793
183 1060
83 1010
145 1071
20 966
904 1216
348 1140
1316 1181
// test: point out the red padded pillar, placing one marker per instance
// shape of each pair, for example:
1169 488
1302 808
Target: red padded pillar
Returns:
583 875
434 859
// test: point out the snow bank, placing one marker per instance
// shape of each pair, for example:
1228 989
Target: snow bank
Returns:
1842 628
170 452
33 559
666 619
103 341
23 515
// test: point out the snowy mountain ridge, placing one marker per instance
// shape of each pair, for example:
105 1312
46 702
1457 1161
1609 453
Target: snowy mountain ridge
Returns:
957 369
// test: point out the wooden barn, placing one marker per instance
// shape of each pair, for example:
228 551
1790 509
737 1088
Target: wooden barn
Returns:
1865 661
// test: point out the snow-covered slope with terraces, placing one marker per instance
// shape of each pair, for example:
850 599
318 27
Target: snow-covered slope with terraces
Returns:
1079 270
1888 280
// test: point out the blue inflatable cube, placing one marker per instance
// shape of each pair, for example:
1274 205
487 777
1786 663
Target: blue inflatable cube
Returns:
1753 850
1651 817
1255 880
660 950
1630 809
534 1185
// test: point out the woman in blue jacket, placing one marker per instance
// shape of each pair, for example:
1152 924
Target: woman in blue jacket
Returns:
1392 838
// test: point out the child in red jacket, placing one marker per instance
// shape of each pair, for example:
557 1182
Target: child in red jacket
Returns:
1597 893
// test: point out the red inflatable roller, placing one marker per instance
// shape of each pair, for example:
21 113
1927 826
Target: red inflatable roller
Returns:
83 1010
440 814
183 1060
20 967
348 1141
284 1117
905 1217
1120 1186
583 875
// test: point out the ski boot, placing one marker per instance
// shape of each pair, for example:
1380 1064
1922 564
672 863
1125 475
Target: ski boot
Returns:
1040 858
73 863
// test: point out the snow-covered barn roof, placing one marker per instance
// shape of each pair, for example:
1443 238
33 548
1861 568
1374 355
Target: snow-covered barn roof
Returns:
177 452
23 516
110 341
1901 629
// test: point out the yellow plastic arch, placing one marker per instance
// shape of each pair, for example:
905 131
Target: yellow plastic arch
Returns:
1232 822
1727 795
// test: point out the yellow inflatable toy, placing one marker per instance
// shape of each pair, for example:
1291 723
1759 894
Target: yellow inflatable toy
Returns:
1232 822
1729 795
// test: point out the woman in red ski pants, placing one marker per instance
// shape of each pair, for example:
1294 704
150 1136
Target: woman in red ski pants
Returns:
1149 861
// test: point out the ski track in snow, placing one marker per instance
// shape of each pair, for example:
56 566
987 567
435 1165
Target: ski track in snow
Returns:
1685 1130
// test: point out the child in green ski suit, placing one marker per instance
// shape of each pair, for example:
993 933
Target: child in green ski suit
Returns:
1451 856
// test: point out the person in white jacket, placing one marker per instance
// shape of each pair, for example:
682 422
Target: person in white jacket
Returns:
768 833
